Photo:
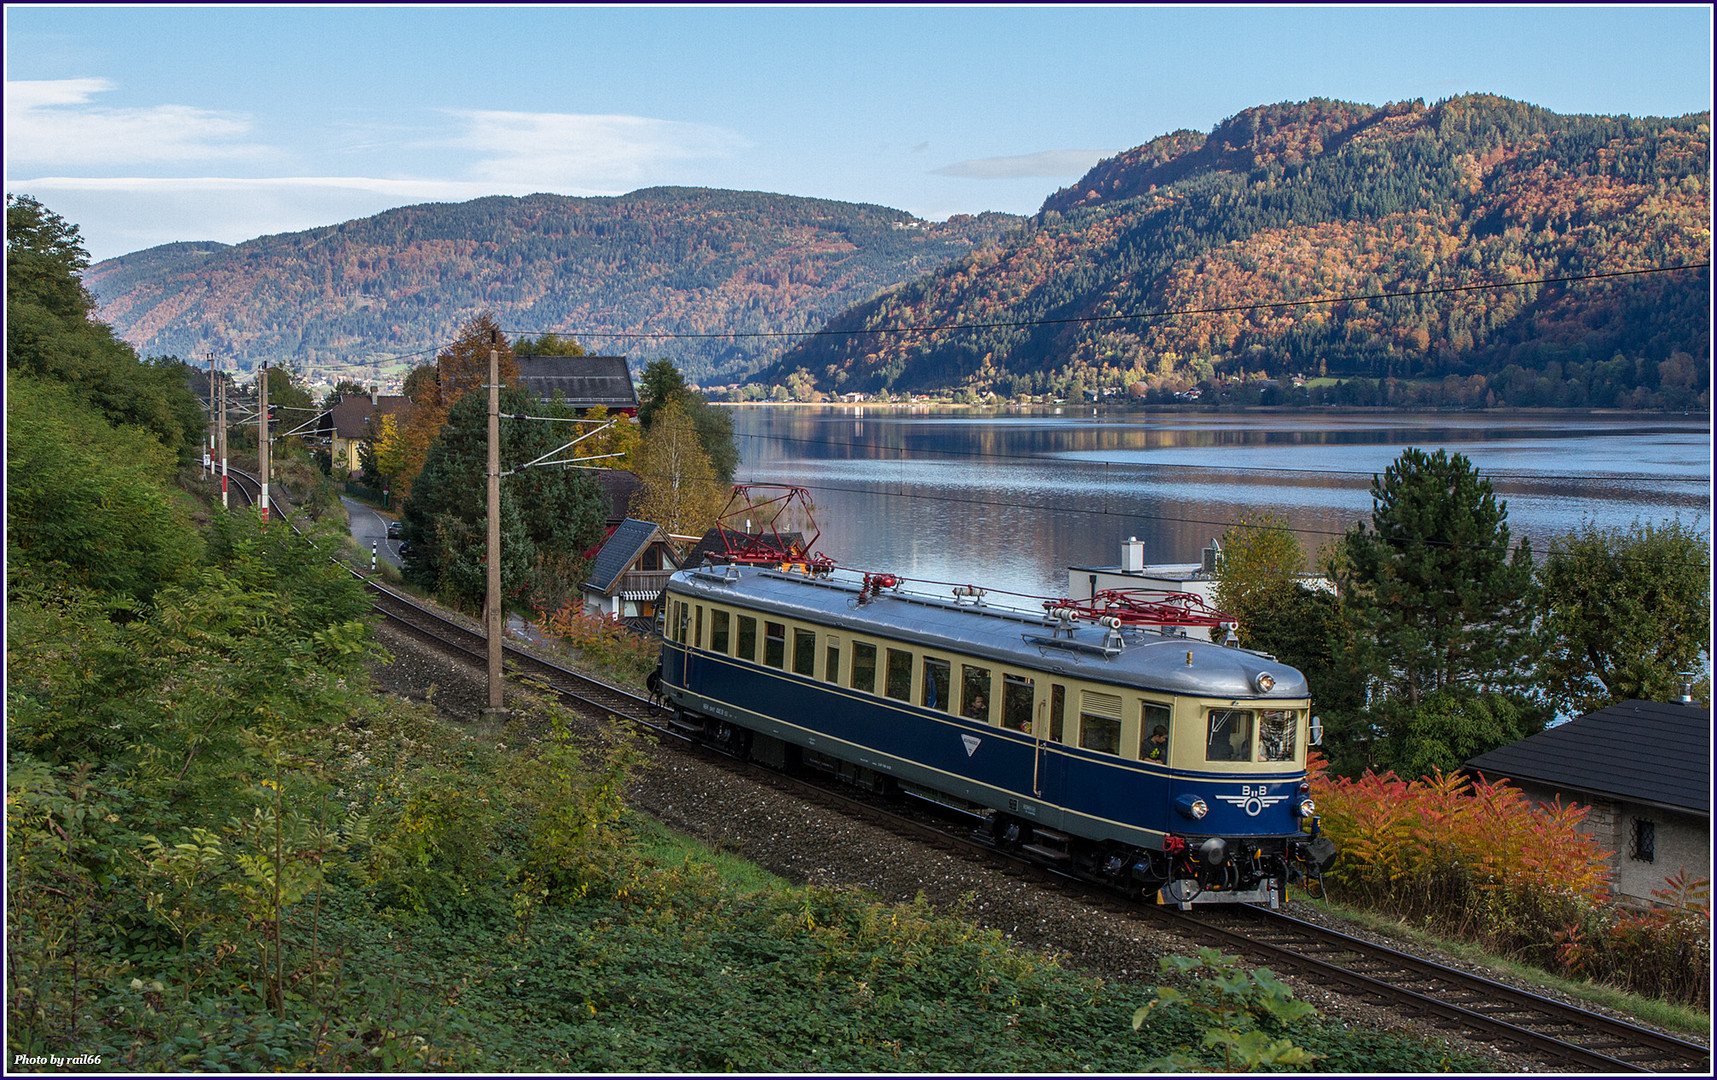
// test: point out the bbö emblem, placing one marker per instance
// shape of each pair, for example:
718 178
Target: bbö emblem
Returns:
1252 801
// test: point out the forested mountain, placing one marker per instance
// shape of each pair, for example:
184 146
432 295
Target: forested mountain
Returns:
1329 199
678 260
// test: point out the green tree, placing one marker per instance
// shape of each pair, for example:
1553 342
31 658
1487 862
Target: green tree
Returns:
1453 726
49 333
661 384
86 502
1626 612
549 515
1435 595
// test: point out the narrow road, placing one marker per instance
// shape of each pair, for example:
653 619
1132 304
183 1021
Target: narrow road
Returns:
369 527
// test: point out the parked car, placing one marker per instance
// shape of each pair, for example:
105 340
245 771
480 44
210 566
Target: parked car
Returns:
393 530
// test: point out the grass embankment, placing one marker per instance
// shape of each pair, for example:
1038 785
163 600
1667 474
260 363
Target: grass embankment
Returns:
451 903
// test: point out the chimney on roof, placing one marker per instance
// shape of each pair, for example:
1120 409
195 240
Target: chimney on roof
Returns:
1132 555
1207 565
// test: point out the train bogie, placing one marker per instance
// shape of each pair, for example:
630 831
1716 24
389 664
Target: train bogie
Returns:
1142 758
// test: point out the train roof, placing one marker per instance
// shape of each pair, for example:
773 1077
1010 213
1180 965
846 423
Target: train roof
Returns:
1145 659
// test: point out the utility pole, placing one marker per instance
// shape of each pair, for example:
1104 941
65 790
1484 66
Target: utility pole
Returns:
262 434
209 454
221 441
492 606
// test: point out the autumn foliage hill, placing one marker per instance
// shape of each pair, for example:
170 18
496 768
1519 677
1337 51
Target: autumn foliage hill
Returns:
1323 199
673 260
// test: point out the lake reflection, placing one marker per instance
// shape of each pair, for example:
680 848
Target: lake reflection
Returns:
1010 501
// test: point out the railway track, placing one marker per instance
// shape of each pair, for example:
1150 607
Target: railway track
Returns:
1558 1035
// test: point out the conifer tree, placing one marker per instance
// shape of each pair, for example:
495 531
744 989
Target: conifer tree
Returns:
1438 599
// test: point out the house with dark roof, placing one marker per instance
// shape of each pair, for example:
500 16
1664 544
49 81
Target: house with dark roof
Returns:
630 571
349 422
583 381
1644 768
619 485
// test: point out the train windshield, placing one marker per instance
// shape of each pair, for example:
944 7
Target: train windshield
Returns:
1230 735
1277 729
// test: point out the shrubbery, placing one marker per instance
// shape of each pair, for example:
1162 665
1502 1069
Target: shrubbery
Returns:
1482 862
609 645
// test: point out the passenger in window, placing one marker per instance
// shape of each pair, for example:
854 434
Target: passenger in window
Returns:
1157 749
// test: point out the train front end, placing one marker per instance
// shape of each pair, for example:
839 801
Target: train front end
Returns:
1241 823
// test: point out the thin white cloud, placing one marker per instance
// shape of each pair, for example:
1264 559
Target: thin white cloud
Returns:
54 123
558 149
1047 163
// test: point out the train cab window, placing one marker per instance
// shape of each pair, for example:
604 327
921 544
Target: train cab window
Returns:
832 669
975 693
1154 733
804 652
1057 710
1017 693
718 630
775 644
935 694
1230 735
1277 729
697 627
747 638
680 623
864 667
897 683
1100 722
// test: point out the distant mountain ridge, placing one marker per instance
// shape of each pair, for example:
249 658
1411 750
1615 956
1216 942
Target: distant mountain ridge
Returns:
1326 199
680 260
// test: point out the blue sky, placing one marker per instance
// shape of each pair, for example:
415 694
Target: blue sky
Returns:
147 125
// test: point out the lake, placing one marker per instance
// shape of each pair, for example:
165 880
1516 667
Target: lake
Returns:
1010 499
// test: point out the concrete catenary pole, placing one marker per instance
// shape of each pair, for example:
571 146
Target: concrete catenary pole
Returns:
492 605
221 440
209 453
262 435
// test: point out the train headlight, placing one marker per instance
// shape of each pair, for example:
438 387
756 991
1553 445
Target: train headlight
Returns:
1192 806
1305 808
1265 682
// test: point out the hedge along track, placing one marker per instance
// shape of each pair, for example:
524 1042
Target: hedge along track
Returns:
1549 1031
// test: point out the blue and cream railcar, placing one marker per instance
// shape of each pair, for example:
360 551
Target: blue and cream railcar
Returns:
1134 756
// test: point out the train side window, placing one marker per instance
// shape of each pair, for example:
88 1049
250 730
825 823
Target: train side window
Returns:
1057 710
975 693
1230 735
680 635
1277 732
1100 722
718 630
936 683
1154 733
697 627
1016 702
775 644
832 670
897 682
804 652
864 667
747 638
